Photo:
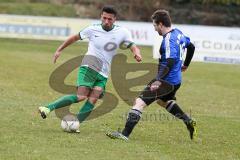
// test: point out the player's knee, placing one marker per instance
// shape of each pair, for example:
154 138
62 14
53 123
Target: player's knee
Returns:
170 104
139 104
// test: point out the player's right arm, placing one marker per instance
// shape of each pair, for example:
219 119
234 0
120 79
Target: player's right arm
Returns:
66 43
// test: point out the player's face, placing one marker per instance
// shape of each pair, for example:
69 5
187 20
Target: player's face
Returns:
107 20
158 28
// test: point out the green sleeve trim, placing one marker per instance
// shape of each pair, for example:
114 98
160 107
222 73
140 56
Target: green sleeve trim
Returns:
130 45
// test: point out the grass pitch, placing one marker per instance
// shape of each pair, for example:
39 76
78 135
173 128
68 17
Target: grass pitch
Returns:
210 91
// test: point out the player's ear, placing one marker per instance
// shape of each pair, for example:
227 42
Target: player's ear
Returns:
160 24
114 18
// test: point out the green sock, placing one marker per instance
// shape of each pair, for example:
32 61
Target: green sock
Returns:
85 111
63 101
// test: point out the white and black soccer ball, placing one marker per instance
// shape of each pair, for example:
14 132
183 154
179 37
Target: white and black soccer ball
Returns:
70 123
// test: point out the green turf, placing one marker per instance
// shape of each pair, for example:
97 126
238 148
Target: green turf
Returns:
210 91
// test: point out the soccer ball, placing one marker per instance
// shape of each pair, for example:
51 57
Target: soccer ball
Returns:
70 123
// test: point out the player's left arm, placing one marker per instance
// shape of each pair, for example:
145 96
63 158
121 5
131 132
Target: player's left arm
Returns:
189 55
163 71
128 43
136 52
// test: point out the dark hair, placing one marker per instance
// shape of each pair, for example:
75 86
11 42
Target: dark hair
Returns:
163 17
109 9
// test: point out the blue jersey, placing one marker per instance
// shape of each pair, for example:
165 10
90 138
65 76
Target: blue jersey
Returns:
173 46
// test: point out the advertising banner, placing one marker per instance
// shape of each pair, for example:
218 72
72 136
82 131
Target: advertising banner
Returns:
213 44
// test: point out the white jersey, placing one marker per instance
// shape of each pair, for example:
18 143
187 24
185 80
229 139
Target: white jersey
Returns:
103 46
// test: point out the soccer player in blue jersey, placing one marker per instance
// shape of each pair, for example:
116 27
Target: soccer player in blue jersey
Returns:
169 72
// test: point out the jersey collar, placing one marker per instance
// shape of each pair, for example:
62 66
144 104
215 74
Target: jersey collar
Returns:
167 32
108 30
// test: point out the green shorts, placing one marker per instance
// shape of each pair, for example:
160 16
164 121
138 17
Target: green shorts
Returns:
90 78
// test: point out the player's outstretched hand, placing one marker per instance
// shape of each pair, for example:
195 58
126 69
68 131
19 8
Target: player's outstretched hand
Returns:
155 85
56 55
138 57
184 68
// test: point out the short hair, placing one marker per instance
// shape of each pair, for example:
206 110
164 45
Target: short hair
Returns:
162 16
109 9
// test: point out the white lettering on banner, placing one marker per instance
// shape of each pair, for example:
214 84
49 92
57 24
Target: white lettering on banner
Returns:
139 34
34 30
216 46
40 27
213 50
142 32
29 30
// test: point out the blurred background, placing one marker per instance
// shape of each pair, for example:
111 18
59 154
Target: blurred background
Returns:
204 12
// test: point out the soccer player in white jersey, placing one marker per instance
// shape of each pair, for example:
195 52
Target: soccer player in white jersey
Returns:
104 39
